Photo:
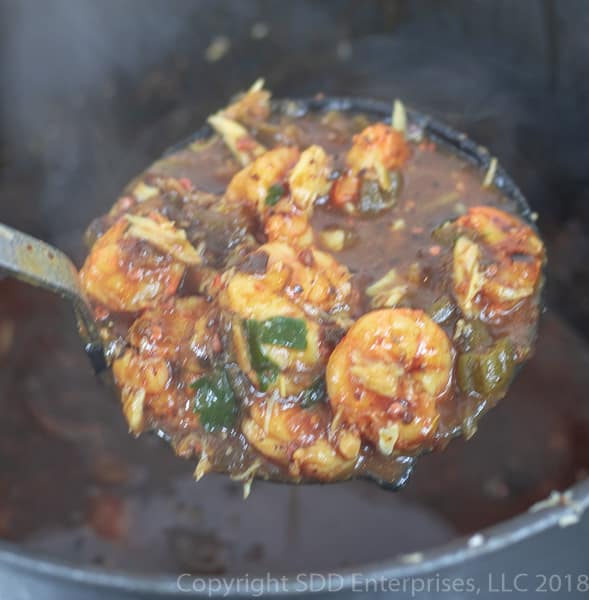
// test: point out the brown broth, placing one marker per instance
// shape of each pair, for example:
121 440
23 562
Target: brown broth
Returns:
438 186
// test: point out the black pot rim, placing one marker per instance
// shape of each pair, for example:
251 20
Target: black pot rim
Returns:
560 510
565 508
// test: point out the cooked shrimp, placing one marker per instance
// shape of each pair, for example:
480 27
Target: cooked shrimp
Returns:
386 376
309 180
251 185
137 262
378 149
168 346
497 262
310 278
296 437
254 304
298 286
289 226
346 191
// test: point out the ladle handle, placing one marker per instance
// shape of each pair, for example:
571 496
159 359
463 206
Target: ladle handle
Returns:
39 264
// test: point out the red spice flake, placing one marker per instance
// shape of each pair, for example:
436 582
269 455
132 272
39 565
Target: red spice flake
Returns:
245 143
126 202
216 343
186 183
101 312
435 250
417 230
216 282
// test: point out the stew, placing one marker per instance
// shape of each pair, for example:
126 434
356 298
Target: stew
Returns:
308 295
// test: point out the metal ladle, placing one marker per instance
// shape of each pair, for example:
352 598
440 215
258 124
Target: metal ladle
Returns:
37 263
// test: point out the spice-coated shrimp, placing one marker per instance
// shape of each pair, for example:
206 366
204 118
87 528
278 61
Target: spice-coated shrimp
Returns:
375 151
497 261
296 437
288 284
386 376
137 262
153 374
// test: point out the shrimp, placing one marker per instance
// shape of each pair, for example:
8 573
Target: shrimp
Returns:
138 262
309 178
283 286
497 262
281 186
377 146
254 305
310 278
375 151
293 436
252 184
386 376
292 227
308 181
168 346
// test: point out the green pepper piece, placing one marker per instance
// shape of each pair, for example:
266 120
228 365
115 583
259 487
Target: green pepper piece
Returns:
397 183
372 198
284 331
287 332
275 192
314 393
487 373
265 368
441 309
214 400
257 357
267 377
475 335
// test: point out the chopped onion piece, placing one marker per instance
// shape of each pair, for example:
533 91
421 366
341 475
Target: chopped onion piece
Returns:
399 118
234 135
490 175
387 438
165 237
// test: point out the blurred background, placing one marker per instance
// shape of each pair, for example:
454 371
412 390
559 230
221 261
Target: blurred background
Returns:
91 92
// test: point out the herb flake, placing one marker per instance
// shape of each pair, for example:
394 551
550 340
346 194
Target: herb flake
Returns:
215 401
275 192
314 393
287 332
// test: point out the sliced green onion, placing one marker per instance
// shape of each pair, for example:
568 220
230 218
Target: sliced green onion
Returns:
314 393
275 192
215 401
283 331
